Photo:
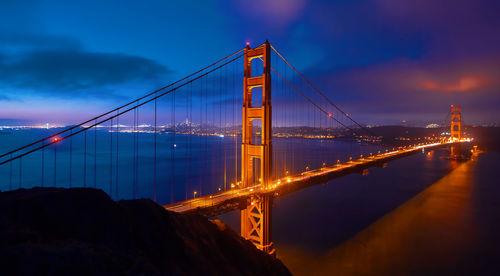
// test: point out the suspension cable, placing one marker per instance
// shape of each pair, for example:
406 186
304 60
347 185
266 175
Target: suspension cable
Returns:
118 114
313 103
120 107
319 92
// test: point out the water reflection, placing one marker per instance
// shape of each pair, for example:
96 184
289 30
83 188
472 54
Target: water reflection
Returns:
430 233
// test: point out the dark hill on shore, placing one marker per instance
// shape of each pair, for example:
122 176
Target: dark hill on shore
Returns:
51 231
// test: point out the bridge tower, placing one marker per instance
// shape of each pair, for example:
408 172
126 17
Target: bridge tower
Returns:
456 131
256 152
456 123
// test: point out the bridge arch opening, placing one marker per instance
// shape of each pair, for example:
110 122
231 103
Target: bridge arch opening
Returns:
257 132
256 65
257 99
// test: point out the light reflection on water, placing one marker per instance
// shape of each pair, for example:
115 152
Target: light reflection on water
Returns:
435 232
421 215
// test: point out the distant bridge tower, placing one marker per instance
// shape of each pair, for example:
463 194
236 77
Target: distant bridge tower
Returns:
256 153
456 123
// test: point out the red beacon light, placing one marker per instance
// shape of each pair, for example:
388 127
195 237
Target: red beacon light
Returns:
55 139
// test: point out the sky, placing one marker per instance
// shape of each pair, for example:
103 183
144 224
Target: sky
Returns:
383 61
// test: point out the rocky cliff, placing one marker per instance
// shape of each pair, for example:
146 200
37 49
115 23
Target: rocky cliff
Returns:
50 231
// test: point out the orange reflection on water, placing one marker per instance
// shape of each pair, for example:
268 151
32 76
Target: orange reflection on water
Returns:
431 231
430 155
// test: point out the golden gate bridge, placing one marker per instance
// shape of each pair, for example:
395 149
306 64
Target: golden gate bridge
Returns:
200 145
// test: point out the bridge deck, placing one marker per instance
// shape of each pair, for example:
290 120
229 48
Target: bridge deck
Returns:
237 198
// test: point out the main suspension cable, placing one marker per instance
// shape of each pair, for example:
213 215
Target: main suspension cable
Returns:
118 114
120 107
319 92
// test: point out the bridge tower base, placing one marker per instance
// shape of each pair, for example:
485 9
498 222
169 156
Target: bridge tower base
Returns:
256 152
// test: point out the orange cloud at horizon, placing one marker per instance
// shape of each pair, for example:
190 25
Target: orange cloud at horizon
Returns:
462 84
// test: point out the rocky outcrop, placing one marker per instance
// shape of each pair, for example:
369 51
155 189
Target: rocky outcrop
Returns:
50 231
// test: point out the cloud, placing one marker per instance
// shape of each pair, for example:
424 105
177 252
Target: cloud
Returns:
4 98
444 14
462 84
455 28
407 76
416 89
28 41
278 13
68 69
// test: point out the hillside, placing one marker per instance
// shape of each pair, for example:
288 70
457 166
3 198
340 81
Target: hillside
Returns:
50 231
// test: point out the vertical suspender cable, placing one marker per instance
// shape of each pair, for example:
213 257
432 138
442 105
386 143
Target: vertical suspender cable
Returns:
116 155
95 154
235 123
201 160
70 159
191 134
186 164
85 158
172 150
137 156
133 156
111 157
55 162
154 163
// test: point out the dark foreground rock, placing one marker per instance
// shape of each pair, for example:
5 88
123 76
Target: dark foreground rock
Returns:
49 231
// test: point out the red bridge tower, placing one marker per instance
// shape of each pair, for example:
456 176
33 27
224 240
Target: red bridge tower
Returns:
256 159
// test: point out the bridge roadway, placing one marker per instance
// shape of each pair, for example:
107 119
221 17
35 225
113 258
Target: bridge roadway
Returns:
238 198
